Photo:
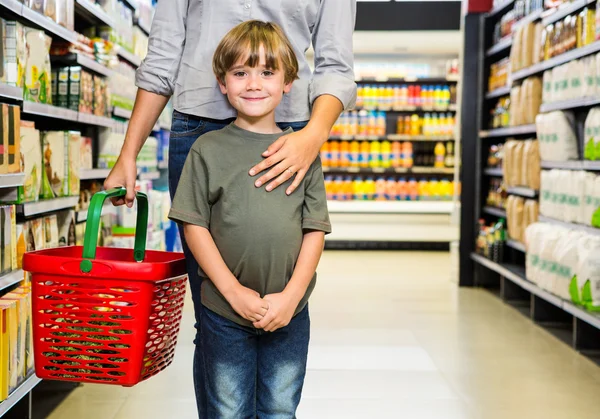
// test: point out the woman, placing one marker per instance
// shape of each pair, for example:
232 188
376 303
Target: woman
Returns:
184 36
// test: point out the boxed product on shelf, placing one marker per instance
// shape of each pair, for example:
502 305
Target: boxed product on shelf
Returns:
55 181
146 159
525 101
490 240
10 139
25 292
85 154
62 90
74 157
38 87
109 147
31 162
557 136
10 352
66 228
499 72
12 58
523 54
37 234
591 135
78 91
521 163
51 231
23 310
8 229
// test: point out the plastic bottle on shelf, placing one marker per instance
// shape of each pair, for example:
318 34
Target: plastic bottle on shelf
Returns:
363 122
436 125
418 96
360 91
381 96
400 124
440 154
415 125
328 187
449 160
389 96
423 190
380 189
370 189
339 189
348 188
445 190
446 96
401 190
404 96
423 97
354 153
407 155
407 125
413 190
381 124
375 154
438 100
372 123
396 154
365 152
434 188
344 154
386 154
427 124
357 189
334 147
325 153
367 96
411 96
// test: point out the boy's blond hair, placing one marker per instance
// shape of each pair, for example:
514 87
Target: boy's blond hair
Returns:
246 39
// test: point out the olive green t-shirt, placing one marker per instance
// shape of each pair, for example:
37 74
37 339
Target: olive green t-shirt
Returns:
258 233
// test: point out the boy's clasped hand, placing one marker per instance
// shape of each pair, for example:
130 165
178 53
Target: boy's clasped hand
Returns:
270 313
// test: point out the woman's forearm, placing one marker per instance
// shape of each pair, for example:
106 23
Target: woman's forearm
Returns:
146 110
326 110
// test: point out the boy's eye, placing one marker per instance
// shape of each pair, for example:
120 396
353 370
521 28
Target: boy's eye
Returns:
268 73
239 74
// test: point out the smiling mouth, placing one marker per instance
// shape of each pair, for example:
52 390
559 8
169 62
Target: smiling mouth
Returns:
253 99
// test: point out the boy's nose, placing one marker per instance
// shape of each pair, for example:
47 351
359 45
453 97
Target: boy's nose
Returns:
253 83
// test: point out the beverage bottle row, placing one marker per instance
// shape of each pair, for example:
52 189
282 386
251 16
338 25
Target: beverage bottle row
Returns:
430 125
367 154
388 96
341 188
360 123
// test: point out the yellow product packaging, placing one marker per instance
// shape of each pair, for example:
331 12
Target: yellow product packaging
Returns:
22 316
4 354
55 180
37 73
74 158
31 163
10 329
25 291
13 237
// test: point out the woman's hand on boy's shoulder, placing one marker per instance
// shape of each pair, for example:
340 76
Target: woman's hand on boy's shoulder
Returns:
281 310
291 155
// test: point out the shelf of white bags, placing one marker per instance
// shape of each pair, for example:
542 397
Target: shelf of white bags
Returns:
569 104
19 393
573 226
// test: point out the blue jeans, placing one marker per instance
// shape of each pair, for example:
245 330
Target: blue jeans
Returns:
251 373
185 130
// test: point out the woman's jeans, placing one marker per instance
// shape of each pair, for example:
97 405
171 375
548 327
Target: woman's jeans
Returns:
185 130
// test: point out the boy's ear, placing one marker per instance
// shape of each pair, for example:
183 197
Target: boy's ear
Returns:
287 87
222 86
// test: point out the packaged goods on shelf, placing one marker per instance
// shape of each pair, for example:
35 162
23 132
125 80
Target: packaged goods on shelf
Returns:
55 179
521 163
122 16
557 136
495 156
573 31
8 237
388 96
576 79
140 42
9 346
491 239
38 86
12 57
591 135
10 139
66 228
371 69
525 101
504 27
31 162
497 194
24 292
85 154
74 159
500 114
340 188
360 123
147 160
60 11
499 74
520 213
122 90
430 125
51 231
523 52
109 147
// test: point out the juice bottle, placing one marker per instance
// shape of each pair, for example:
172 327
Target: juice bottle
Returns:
400 125
415 125
445 190
381 124
375 158
404 96
334 147
438 98
401 190
427 124
431 96
325 154
365 152
338 189
435 126
418 96
411 95
363 122
386 154
449 161
390 189
423 190
423 97
413 190
354 153
446 96
389 96
407 155
396 154
356 188
370 189
344 154
360 91
329 187
381 93
372 123
367 96
397 96
440 153
434 188
407 125
380 189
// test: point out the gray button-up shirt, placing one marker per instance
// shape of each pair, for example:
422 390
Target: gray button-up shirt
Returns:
185 34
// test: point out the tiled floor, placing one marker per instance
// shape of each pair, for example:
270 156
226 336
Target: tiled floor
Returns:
393 337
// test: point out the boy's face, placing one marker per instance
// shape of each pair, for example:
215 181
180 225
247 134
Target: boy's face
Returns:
254 92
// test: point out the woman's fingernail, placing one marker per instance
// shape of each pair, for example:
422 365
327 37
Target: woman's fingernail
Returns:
258 184
252 172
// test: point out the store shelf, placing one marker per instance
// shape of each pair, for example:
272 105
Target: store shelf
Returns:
50 111
516 245
390 207
83 61
132 4
12 180
94 13
556 61
501 46
508 131
13 5
565 10
494 94
99 121
424 80
122 113
569 104
500 8
566 165
498 212
144 26
11 279
381 170
521 191
49 25
92 174
128 56
532 17
573 226
11 92
493 171
450 108
149 175
18 394
390 137
41 207
516 275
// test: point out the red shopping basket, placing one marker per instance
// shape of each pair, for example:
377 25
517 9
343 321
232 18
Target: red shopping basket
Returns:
105 315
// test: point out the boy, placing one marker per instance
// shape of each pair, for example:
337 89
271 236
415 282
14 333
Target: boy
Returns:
257 250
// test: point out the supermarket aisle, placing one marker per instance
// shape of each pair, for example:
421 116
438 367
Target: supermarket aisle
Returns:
393 338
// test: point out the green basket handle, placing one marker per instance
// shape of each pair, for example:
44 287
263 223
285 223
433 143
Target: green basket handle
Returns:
93 224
